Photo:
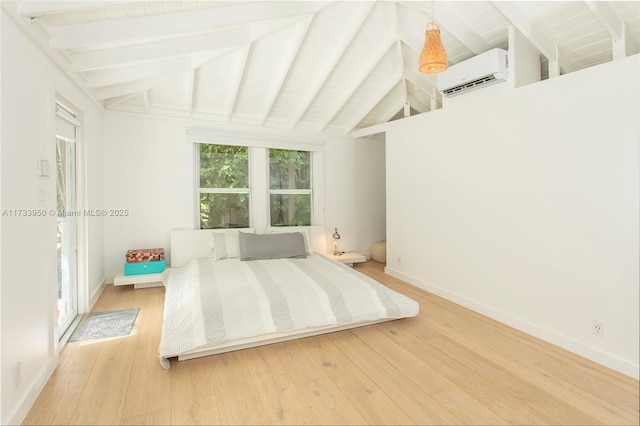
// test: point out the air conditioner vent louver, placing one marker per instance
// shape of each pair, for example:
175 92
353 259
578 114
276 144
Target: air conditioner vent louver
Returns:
482 70
469 85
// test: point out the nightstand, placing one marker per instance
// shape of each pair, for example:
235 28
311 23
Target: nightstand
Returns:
348 258
141 281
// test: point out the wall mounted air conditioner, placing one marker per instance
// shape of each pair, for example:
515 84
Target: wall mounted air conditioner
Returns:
482 70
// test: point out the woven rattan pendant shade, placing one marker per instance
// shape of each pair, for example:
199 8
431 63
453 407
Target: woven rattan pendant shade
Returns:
433 58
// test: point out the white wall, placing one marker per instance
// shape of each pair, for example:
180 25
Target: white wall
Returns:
1 38
524 204
340 193
355 193
370 193
29 84
149 170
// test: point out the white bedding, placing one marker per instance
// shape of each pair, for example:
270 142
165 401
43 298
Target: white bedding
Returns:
210 304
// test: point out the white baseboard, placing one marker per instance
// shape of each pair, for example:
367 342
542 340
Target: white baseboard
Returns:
96 294
565 342
35 387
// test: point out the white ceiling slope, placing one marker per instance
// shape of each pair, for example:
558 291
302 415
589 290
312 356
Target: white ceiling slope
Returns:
326 67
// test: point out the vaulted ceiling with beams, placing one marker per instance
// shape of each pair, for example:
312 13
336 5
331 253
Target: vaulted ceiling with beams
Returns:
328 67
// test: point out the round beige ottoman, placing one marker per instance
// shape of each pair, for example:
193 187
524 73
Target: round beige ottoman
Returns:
379 251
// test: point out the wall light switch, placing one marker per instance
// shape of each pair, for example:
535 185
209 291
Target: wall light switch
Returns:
43 168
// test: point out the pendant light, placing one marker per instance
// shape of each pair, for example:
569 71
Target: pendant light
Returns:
433 58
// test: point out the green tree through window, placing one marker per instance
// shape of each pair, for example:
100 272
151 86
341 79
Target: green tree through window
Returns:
224 186
290 187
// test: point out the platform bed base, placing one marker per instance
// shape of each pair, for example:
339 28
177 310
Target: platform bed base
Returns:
263 341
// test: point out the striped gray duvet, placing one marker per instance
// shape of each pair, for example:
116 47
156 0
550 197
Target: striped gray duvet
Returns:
210 303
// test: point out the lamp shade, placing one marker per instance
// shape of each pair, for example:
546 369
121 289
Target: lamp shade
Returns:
433 58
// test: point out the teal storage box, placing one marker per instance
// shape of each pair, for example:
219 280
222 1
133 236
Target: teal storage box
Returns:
141 268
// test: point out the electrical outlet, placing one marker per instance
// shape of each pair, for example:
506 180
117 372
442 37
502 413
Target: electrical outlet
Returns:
399 261
597 327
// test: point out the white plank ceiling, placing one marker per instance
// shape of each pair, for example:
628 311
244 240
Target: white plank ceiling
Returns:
325 67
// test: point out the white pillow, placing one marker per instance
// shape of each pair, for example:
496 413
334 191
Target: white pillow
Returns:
303 231
226 243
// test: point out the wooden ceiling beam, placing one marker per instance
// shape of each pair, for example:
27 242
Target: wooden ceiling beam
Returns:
134 87
90 33
613 25
523 23
374 100
396 107
365 70
126 74
607 17
398 49
360 15
288 55
216 43
39 8
237 80
121 99
145 99
190 91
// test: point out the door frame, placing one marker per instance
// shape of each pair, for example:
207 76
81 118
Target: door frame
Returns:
82 297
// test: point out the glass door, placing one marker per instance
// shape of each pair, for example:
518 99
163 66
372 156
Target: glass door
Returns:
67 233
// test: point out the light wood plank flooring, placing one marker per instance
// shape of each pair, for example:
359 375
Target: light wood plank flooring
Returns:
448 365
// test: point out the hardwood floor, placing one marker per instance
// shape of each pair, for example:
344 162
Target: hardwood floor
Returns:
448 365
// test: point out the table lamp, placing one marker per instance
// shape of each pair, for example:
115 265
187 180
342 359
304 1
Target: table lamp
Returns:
336 237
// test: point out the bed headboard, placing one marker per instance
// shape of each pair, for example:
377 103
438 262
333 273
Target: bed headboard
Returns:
187 244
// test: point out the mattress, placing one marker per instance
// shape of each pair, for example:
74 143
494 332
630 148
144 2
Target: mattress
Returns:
219 305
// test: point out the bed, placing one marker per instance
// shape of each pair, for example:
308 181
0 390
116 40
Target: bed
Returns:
236 289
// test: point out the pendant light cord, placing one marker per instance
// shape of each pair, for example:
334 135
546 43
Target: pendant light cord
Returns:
433 18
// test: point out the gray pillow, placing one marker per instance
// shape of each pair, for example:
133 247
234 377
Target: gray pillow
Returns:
272 246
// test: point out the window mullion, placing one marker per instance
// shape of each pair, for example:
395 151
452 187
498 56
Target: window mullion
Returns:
259 183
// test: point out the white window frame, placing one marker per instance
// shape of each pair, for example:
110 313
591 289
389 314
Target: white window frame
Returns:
259 195
309 191
199 190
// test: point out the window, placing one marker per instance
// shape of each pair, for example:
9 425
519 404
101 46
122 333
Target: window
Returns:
254 186
290 187
224 186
